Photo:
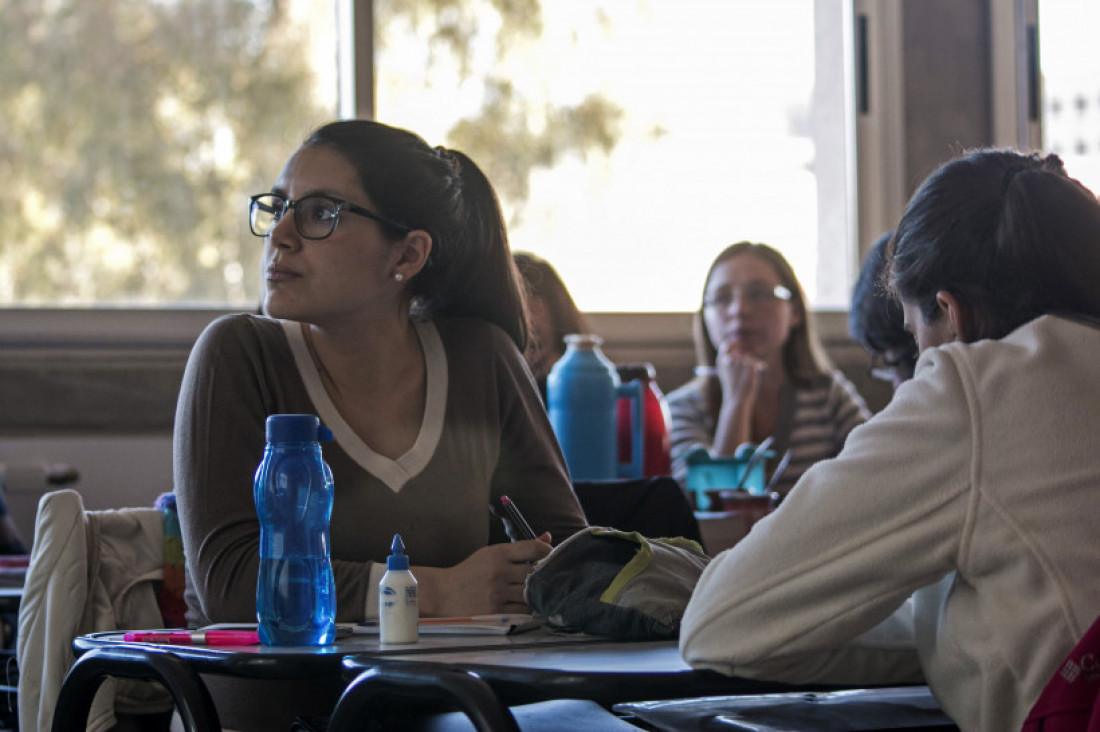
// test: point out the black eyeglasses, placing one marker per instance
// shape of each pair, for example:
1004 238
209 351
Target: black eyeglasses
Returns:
894 364
315 217
753 294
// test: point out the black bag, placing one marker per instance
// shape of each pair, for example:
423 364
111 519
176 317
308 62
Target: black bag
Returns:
616 584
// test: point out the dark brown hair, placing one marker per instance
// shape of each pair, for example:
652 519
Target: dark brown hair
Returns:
470 272
542 281
1009 234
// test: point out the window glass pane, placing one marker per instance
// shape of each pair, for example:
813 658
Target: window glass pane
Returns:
1071 85
630 140
133 132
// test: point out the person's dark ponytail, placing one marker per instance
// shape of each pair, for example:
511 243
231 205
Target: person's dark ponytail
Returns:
477 276
1009 234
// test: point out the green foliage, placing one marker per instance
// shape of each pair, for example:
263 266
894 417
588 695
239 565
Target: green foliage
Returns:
504 144
511 135
130 133
455 23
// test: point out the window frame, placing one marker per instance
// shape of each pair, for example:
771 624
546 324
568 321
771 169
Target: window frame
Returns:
873 196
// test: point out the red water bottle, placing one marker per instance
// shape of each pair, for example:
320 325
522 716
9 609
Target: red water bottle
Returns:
656 458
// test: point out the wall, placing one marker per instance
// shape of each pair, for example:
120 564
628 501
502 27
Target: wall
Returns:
95 391
79 387
114 470
104 405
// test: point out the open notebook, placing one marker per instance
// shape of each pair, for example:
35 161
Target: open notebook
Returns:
474 625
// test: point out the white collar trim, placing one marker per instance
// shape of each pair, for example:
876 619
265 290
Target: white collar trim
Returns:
394 473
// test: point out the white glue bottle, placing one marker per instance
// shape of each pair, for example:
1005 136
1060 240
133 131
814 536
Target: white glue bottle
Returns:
398 611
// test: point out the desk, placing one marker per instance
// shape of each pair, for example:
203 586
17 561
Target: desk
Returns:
533 666
177 667
604 671
293 662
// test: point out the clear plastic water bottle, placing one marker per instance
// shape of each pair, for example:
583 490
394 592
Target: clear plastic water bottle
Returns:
295 590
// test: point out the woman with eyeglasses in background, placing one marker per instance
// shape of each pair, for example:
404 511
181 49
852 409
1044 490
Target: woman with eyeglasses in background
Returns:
394 313
761 371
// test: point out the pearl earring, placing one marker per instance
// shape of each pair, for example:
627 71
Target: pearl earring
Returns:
398 277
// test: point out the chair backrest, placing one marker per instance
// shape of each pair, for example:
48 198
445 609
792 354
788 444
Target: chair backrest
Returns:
89 571
654 507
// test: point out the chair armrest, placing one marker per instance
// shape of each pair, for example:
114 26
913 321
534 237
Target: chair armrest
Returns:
192 698
462 689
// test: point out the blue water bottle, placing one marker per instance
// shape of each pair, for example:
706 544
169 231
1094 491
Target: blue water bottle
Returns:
295 590
582 394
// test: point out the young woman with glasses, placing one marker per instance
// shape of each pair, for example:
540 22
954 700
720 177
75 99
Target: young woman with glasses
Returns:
394 312
761 370
976 490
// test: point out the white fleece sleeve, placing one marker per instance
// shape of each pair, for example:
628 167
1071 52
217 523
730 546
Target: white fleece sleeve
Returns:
854 539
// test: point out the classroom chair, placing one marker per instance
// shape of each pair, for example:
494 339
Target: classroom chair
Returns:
427 685
89 571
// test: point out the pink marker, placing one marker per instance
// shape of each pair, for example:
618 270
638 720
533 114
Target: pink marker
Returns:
197 637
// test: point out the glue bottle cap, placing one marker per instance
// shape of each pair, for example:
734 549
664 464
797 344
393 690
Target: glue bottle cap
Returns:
397 560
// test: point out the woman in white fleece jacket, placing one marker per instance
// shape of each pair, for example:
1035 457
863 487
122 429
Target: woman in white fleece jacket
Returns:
977 489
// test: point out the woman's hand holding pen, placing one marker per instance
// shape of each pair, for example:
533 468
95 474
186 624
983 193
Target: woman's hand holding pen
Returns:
491 580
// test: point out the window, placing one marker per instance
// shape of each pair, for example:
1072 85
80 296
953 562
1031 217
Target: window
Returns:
630 141
133 131
1071 86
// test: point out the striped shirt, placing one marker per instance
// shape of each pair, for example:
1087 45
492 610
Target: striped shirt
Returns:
814 422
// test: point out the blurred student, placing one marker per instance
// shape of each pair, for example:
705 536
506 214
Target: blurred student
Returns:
976 490
875 319
551 312
761 370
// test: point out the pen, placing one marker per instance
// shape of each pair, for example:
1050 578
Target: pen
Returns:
518 522
197 637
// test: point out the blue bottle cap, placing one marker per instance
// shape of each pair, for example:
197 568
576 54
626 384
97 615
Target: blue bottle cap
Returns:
296 428
397 560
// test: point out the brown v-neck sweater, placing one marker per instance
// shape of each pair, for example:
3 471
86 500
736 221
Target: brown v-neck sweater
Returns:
485 433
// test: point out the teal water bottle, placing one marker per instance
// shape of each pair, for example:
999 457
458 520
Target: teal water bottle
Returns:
295 589
582 393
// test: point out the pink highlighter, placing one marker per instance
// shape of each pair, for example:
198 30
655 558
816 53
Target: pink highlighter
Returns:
196 637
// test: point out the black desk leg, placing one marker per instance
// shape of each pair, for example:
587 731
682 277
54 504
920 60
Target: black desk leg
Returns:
462 689
190 694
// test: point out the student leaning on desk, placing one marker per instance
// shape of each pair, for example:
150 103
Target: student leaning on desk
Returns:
761 370
395 314
977 488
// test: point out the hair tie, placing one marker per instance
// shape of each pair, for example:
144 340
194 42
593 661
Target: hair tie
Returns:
447 156
1051 163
